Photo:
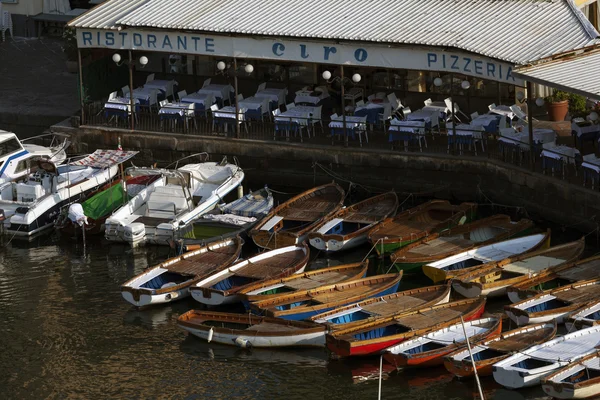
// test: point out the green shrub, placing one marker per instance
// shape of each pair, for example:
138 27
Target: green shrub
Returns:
557 96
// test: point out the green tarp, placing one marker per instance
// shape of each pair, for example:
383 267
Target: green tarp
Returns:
104 202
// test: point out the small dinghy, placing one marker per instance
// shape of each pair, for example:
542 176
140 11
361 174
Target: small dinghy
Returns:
530 366
307 303
419 222
588 315
487 352
493 280
582 270
225 221
554 303
378 307
224 286
578 380
171 280
373 337
452 267
307 280
429 350
248 330
457 240
350 226
290 223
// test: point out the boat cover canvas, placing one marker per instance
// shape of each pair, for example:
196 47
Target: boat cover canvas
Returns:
250 205
105 158
104 202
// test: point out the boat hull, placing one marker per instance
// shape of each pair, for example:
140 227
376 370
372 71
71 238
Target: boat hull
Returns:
408 267
143 299
568 391
332 245
301 340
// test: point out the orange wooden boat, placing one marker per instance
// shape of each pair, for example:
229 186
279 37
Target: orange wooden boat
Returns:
375 336
429 350
487 352
290 223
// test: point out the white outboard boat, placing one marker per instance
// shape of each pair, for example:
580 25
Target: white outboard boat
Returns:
170 203
31 205
18 159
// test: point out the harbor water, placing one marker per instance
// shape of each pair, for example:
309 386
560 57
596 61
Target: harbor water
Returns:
66 332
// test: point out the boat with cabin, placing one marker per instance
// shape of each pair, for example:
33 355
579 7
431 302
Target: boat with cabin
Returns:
487 352
428 350
374 336
419 222
528 367
554 303
438 246
289 223
159 212
492 279
33 204
171 279
223 287
350 226
307 280
248 330
378 307
462 263
304 304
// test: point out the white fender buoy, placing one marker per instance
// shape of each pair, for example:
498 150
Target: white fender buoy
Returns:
210 334
240 191
462 220
243 343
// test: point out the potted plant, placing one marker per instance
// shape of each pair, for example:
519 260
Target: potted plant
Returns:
70 49
577 105
557 105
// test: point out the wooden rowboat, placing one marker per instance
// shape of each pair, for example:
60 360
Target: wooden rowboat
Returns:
307 280
171 279
487 352
289 223
578 380
304 304
581 270
462 263
375 336
419 222
247 330
554 303
350 226
429 349
456 240
223 286
377 307
584 317
528 367
492 280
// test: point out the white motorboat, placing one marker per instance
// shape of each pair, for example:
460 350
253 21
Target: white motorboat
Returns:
33 204
164 208
528 367
18 159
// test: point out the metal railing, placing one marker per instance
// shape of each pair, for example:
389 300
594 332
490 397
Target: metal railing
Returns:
370 136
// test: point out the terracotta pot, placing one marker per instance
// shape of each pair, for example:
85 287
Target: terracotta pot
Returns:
558 111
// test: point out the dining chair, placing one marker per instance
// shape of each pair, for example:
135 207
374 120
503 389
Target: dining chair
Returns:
428 102
360 103
290 106
191 114
163 103
180 94
240 97
112 96
150 78
261 87
474 115
206 83
125 91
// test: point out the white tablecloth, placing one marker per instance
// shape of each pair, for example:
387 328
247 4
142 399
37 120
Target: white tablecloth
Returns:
120 103
420 115
483 120
206 99
467 130
585 128
351 122
254 103
299 115
181 109
228 112
164 85
439 107
304 96
561 152
539 136
145 94
273 94
503 110
218 91
407 126
593 163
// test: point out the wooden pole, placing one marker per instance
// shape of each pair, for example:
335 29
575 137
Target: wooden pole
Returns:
81 91
472 360
530 123
237 105
343 106
131 104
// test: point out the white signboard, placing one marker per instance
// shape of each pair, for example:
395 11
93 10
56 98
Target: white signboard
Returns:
415 58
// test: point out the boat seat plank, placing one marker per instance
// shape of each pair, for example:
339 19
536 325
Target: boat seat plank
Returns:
533 264
566 350
518 343
579 294
417 321
393 306
441 246
581 272
271 327
312 282
456 334
271 266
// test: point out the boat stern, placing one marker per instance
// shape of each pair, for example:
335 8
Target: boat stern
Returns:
437 275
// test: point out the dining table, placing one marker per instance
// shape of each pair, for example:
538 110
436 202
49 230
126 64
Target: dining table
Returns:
168 87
